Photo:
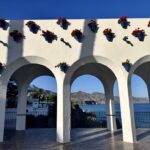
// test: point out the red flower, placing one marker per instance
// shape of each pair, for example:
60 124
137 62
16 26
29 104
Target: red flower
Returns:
16 33
30 23
76 32
61 19
123 18
107 31
49 33
137 31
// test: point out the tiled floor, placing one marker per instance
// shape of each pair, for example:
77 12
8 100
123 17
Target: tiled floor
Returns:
82 139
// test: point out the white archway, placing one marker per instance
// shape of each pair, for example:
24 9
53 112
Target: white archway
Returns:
23 70
103 69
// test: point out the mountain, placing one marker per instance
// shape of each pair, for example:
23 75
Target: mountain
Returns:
100 97
81 97
33 88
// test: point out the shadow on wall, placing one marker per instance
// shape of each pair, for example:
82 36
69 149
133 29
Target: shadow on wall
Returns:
15 49
88 41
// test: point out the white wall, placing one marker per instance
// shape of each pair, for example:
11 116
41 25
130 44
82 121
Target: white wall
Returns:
117 51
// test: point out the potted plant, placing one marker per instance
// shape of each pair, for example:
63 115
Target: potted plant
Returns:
127 65
109 35
49 36
77 34
93 26
63 66
140 34
63 22
123 21
33 26
148 24
3 24
17 36
1 67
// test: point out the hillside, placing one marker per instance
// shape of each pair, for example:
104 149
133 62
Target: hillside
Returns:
81 97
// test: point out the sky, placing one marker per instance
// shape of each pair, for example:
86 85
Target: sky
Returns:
89 84
49 9
52 9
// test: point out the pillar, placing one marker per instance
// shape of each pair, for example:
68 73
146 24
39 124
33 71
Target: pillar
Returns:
148 89
3 90
21 108
110 108
127 112
63 112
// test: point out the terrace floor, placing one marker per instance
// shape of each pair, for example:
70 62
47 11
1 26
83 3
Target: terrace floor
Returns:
89 139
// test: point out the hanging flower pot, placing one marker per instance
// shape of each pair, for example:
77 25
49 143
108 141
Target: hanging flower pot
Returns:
77 34
123 22
33 26
17 36
63 66
93 26
109 35
148 24
3 24
49 36
63 23
140 34
1 67
127 65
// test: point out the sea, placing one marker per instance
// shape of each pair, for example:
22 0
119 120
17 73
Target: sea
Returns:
141 113
138 107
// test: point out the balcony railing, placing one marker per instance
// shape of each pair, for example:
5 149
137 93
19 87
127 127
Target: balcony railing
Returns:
79 119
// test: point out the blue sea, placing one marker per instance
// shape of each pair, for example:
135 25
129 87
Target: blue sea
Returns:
144 107
141 113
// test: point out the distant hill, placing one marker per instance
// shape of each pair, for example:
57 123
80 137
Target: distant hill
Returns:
33 88
100 97
81 97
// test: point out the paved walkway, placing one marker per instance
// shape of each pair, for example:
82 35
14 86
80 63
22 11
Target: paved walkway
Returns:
82 139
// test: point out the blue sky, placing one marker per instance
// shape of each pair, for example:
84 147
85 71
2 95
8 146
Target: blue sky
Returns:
89 84
51 9
42 9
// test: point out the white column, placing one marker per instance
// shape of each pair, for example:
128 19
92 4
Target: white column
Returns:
21 108
63 113
127 112
3 90
110 108
148 90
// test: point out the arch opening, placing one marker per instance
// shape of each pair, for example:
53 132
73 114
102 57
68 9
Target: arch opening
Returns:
87 103
35 106
139 92
104 74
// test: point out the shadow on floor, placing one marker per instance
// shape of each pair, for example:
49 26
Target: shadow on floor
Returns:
143 135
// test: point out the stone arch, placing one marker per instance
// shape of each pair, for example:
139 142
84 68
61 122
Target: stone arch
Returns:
92 59
20 62
140 68
18 69
85 66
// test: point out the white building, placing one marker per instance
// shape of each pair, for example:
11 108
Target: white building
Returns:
95 55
